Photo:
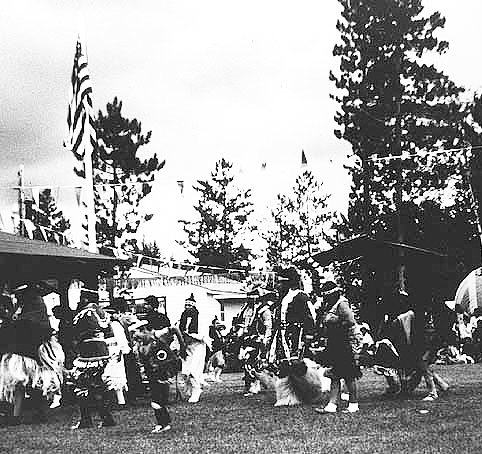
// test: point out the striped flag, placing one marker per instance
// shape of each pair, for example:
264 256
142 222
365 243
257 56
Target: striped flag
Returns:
82 137
80 119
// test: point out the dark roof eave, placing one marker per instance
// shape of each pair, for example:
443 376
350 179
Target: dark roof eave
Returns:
16 246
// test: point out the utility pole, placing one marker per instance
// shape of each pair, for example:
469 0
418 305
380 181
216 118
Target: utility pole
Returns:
21 200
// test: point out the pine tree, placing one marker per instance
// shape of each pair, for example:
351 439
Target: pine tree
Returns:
126 177
223 209
392 106
49 216
300 221
395 111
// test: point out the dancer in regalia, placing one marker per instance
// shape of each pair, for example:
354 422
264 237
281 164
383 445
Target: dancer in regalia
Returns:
257 338
217 361
299 378
193 364
344 344
161 364
91 385
295 318
31 358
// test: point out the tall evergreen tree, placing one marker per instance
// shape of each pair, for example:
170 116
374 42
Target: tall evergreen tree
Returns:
395 111
393 107
300 221
48 215
117 165
472 164
216 238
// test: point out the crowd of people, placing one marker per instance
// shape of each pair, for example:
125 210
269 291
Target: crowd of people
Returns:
99 357
304 349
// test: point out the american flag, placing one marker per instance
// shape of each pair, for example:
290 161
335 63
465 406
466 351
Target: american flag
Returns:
80 120
82 137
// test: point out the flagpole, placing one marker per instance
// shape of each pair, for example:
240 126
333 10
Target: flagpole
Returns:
82 135
89 172
89 180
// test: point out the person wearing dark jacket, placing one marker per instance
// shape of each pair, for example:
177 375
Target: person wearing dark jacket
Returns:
344 342
294 318
156 320
189 322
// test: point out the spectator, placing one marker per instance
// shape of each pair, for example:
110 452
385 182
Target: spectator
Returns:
367 339
464 329
477 341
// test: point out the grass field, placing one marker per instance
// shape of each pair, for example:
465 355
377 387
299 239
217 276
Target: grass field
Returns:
226 422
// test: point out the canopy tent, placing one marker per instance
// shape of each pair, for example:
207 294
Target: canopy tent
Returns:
429 273
365 246
469 292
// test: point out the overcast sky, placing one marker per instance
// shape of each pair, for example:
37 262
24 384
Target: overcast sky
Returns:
247 81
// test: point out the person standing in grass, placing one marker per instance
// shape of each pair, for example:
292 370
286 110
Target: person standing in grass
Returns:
435 332
344 341
217 361
189 317
90 384
161 364
30 356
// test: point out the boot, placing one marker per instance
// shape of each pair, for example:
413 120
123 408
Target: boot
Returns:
85 419
106 415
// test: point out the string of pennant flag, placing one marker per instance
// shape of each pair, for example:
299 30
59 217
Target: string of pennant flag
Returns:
186 266
421 154
31 228
77 186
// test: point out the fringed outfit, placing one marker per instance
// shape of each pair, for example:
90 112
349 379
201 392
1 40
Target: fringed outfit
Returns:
255 345
30 356
89 378
295 319
344 342
160 365
299 379
193 364
115 373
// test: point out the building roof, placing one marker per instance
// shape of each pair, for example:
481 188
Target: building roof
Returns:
22 258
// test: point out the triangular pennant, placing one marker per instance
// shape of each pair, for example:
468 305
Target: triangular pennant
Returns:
78 194
36 196
180 183
43 232
304 162
29 227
